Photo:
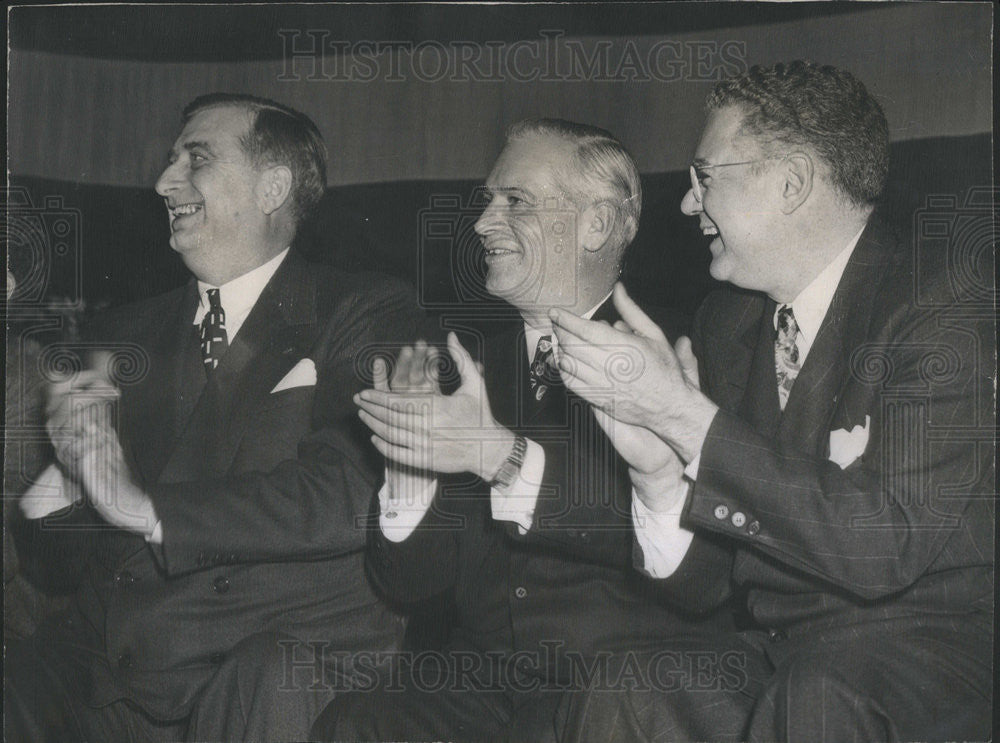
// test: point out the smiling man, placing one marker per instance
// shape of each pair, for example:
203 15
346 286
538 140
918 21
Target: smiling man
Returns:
220 538
534 549
839 463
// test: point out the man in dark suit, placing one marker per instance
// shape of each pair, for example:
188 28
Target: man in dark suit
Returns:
219 548
535 548
839 443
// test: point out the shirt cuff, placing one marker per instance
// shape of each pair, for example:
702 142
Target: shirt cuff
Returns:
50 492
517 502
691 471
662 539
157 535
401 513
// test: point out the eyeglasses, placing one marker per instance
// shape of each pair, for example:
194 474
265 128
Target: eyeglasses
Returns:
696 170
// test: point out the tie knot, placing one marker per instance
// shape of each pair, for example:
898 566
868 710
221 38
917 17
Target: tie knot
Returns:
786 320
213 299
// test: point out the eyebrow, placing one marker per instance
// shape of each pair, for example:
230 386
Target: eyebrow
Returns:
508 190
189 146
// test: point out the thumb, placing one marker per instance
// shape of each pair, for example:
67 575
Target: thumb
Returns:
380 375
635 317
467 368
689 362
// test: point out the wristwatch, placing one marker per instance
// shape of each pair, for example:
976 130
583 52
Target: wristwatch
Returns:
511 465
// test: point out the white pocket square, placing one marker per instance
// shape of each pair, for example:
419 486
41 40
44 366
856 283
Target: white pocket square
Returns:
847 446
303 374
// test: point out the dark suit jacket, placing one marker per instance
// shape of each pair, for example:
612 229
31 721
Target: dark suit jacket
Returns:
263 497
569 580
905 532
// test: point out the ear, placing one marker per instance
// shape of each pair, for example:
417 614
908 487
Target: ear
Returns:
798 171
273 188
599 223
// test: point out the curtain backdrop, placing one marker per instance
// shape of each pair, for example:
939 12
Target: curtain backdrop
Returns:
409 115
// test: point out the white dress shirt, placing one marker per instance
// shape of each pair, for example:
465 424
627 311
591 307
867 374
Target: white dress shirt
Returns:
238 296
664 542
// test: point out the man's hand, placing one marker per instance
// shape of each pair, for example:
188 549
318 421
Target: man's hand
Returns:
415 372
441 433
79 424
632 373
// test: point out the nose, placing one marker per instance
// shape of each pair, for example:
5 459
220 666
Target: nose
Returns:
689 204
488 220
169 179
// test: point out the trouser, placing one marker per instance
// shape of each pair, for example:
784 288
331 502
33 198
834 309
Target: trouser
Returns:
253 696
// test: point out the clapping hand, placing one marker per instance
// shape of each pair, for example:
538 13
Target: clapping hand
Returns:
633 374
423 429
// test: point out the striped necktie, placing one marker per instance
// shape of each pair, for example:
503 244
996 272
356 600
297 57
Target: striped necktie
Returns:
786 353
214 341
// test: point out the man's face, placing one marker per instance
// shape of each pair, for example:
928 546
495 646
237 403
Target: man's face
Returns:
530 229
737 207
209 187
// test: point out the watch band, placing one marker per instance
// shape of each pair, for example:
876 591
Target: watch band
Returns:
511 465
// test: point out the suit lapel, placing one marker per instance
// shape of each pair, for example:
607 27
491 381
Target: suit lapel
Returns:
279 331
156 411
816 392
760 405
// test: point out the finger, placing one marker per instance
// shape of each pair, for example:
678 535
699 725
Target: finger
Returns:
394 400
390 431
633 315
687 359
380 375
623 326
467 369
402 371
399 454
410 419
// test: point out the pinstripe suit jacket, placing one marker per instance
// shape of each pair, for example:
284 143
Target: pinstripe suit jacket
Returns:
905 531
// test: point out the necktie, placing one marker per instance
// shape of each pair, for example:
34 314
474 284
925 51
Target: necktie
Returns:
786 353
214 341
543 372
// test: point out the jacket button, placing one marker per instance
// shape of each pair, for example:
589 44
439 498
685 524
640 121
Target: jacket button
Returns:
721 512
739 519
777 635
221 584
584 536
520 592
753 528
125 660
124 578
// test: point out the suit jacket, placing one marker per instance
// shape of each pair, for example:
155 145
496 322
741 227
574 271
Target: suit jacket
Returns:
904 532
568 582
262 497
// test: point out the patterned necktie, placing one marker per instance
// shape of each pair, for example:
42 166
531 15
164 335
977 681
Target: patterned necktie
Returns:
213 332
786 353
543 372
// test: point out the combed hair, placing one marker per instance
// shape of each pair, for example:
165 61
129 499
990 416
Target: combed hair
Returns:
819 106
605 168
278 135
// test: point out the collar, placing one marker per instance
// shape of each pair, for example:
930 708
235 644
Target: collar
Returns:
240 295
812 303
532 334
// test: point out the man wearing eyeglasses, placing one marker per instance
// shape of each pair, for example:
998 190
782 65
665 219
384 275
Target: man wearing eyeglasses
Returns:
832 415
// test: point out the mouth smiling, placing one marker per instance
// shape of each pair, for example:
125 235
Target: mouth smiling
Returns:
495 252
182 210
